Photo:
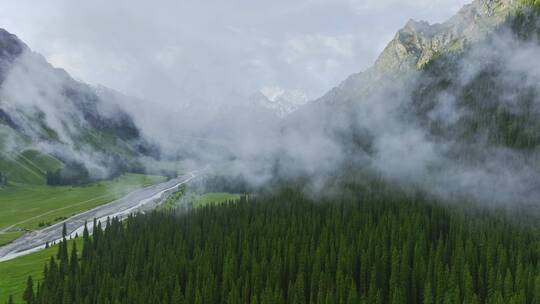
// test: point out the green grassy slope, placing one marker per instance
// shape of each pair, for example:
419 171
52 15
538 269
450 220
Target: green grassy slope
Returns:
19 172
214 198
28 167
6 237
41 162
14 273
25 207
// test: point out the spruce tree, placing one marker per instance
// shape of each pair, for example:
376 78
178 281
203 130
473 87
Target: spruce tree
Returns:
28 294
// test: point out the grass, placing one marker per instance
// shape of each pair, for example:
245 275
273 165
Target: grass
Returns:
7 237
14 273
41 162
173 199
28 207
29 166
214 198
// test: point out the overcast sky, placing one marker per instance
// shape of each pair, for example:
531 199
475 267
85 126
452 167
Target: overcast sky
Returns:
203 49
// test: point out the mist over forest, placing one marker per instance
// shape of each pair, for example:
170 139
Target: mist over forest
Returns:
299 152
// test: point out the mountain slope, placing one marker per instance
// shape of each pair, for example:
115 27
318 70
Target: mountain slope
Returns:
45 112
453 107
419 42
280 101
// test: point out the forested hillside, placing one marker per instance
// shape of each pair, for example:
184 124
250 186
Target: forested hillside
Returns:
379 246
416 181
452 108
488 90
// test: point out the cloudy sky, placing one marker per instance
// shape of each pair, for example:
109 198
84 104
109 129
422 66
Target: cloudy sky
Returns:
195 50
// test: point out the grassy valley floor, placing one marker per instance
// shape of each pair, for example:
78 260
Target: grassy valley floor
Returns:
14 273
29 207
214 198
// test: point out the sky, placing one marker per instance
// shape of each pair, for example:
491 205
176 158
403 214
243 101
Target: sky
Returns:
192 51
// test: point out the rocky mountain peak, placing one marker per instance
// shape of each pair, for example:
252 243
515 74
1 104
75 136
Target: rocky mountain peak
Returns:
491 7
281 102
10 45
418 42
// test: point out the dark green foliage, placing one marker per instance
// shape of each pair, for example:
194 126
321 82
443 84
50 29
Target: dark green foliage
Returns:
72 173
75 173
493 109
29 296
375 247
3 179
223 183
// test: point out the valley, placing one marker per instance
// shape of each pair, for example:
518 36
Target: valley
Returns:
16 271
32 207
414 179
137 200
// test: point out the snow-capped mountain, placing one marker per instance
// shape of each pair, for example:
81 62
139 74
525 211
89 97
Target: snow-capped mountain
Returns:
281 101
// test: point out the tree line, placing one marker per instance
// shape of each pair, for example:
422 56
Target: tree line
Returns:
3 179
375 246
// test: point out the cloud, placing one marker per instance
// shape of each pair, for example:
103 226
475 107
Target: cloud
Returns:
181 50
181 55
317 45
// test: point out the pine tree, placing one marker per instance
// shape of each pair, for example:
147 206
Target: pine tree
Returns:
177 296
28 294
428 293
508 290
468 287
64 230
298 290
353 295
284 249
536 290
74 260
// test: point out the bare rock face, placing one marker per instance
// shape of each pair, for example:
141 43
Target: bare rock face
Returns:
418 42
280 102
10 48
493 7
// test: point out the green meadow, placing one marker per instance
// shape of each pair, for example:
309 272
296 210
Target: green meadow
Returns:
28 207
14 273
214 198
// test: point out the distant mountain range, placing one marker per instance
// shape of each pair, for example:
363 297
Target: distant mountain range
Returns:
281 102
456 103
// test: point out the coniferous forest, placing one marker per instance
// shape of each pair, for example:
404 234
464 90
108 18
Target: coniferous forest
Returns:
375 246
415 180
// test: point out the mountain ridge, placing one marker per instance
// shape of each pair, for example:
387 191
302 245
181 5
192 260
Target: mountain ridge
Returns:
419 42
464 120
42 108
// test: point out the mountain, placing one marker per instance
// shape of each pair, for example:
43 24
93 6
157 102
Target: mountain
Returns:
419 42
52 123
453 107
280 101
428 67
